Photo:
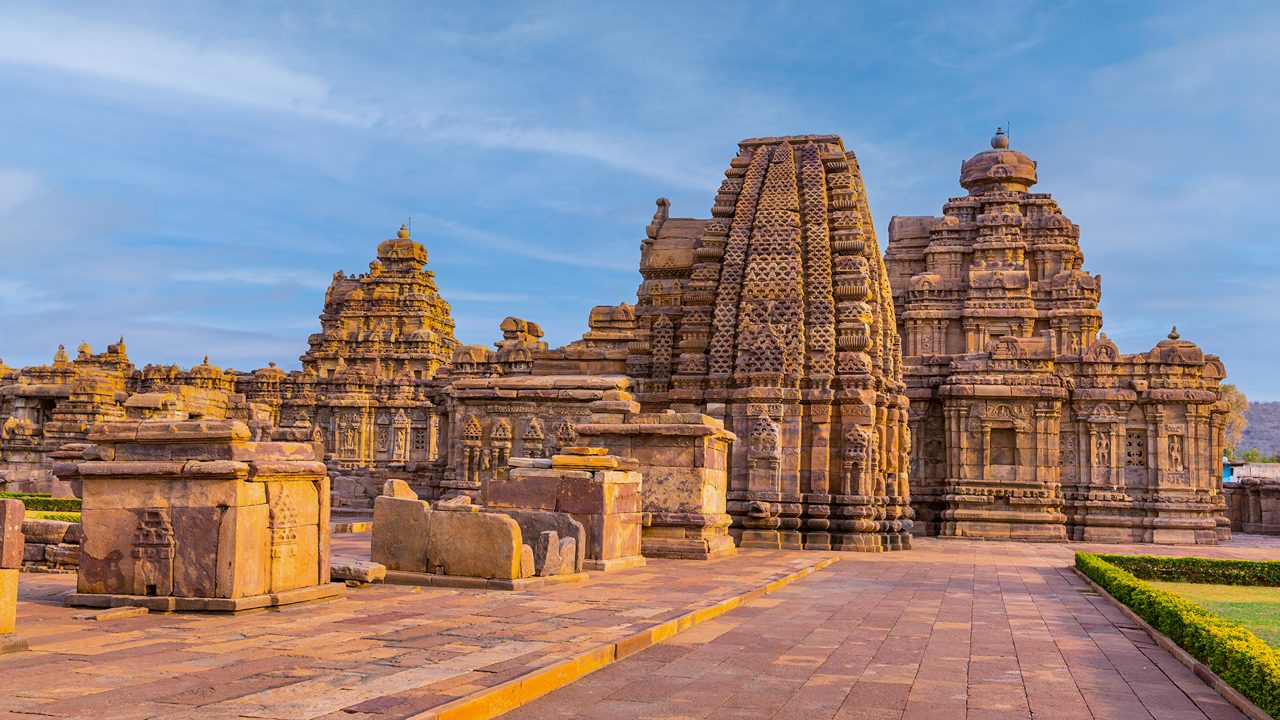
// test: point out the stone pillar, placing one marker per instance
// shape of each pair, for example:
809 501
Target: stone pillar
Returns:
190 515
599 490
11 542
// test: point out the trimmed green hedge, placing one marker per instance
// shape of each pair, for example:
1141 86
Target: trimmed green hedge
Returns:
1236 655
70 517
47 503
1254 573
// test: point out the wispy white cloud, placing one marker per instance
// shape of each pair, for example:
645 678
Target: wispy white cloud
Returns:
530 248
252 276
138 56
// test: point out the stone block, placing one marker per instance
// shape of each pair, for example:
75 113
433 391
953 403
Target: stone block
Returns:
611 536
485 545
400 531
398 489
106 553
528 568
533 489
12 537
354 569
569 561
64 554
243 533
546 553
45 532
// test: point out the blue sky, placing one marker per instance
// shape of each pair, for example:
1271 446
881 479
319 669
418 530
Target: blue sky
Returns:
190 175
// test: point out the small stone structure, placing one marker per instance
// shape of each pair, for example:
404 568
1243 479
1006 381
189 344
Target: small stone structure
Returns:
11 514
457 543
599 490
684 459
1253 498
191 515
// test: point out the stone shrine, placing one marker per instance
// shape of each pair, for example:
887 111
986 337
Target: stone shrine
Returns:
1029 423
192 515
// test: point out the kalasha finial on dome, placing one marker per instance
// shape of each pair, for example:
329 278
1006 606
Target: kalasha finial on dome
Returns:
1173 334
206 359
404 232
1000 140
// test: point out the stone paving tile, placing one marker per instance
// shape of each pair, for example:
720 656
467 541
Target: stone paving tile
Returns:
952 630
383 652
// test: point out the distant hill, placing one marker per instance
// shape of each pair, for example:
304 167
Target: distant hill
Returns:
1263 432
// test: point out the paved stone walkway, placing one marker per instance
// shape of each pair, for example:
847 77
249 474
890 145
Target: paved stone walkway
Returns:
383 652
950 630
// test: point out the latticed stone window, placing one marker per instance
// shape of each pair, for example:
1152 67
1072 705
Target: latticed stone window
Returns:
1135 448
1004 446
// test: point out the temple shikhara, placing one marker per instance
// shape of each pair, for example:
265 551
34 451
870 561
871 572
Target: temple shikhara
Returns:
1028 422
776 383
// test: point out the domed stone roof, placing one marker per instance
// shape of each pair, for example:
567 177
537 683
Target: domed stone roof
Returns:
998 169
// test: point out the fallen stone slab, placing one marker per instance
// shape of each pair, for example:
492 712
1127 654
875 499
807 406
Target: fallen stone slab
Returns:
355 569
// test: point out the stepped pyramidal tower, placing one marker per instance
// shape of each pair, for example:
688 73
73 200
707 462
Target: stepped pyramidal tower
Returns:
1030 424
776 317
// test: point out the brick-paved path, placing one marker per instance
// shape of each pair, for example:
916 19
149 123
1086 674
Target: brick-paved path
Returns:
383 652
950 630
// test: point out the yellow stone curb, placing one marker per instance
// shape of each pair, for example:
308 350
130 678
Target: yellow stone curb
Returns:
492 702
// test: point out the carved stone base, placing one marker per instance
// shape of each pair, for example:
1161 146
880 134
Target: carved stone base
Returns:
871 542
327 591
762 539
997 530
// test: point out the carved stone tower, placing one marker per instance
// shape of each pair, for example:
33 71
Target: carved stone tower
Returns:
1020 407
366 381
776 317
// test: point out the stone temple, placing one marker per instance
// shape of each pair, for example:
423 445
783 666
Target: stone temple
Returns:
1029 423
758 385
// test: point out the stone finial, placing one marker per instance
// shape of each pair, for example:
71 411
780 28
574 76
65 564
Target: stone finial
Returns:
84 350
60 357
403 233
1173 334
1000 141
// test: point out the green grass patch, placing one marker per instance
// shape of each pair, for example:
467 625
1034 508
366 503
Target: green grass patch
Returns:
1243 660
1256 609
